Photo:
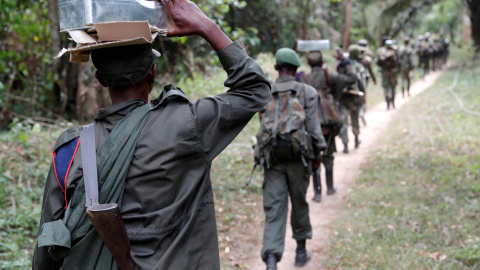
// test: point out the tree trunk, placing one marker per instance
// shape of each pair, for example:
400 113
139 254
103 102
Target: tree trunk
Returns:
304 25
466 27
474 6
54 33
348 24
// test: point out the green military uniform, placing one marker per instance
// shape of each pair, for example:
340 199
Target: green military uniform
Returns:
350 104
292 178
387 60
167 205
424 53
318 81
406 66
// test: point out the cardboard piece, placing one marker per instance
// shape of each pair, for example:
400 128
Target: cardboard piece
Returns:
107 35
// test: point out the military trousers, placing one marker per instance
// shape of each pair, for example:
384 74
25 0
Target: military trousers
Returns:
389 82
406 79
349 106
424 64
281 180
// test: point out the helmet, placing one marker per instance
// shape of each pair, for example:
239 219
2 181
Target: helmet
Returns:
362 42
354 52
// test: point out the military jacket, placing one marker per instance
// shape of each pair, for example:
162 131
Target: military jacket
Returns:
338 81
167 205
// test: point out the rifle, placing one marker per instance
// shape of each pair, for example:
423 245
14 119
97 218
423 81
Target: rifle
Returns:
108 222
105 218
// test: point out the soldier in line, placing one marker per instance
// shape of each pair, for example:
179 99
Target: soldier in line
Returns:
437 55
289 177
349 99
446 51
406 65
328 85
366 60
386 59
424 52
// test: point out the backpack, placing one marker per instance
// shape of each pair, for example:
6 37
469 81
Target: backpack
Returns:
282 136
424 49
328 111
386 58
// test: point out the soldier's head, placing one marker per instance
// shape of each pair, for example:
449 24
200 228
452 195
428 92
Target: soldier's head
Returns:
354 52
426 36
119 68
362 43
315 58
384 39
287 61
407 40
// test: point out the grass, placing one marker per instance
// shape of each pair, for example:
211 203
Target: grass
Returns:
416 203
24 161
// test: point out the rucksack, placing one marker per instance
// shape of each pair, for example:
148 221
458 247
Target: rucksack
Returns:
386 58
328 112
282 136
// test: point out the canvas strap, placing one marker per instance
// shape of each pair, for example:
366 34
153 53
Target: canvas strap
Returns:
89 164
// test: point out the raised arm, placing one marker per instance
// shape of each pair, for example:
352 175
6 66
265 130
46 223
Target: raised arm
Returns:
189 20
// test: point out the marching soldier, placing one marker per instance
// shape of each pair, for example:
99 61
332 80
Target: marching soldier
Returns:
406 66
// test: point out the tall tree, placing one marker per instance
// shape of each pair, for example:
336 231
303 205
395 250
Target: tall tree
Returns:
474 7
348 24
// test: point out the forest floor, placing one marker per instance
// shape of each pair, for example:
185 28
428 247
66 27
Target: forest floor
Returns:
346 170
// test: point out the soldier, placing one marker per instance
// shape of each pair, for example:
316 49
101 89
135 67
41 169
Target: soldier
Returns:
366 60
282 177
350 98
424 54
386 59
406 65
328 85
437 55
154 159
446 51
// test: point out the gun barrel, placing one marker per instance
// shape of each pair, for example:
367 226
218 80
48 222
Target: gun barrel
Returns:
108 222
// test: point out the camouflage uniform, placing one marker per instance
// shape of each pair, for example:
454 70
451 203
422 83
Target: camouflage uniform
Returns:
389 72
406 66
424 54
350 104
317 79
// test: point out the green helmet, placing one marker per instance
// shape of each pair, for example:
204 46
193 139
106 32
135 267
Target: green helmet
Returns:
354 52
287 56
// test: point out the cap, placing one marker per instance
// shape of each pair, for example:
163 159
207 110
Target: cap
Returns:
315 58
362 42
354 52
287 56
124 66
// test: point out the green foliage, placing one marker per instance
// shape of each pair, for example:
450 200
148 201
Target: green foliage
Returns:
24 54
25 156
415 205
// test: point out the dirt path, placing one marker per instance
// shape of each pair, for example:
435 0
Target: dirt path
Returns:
346 168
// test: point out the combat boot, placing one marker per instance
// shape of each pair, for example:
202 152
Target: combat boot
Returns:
329 179
357 142
388 104
345 148
317 190
271 262
302 254
393 103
